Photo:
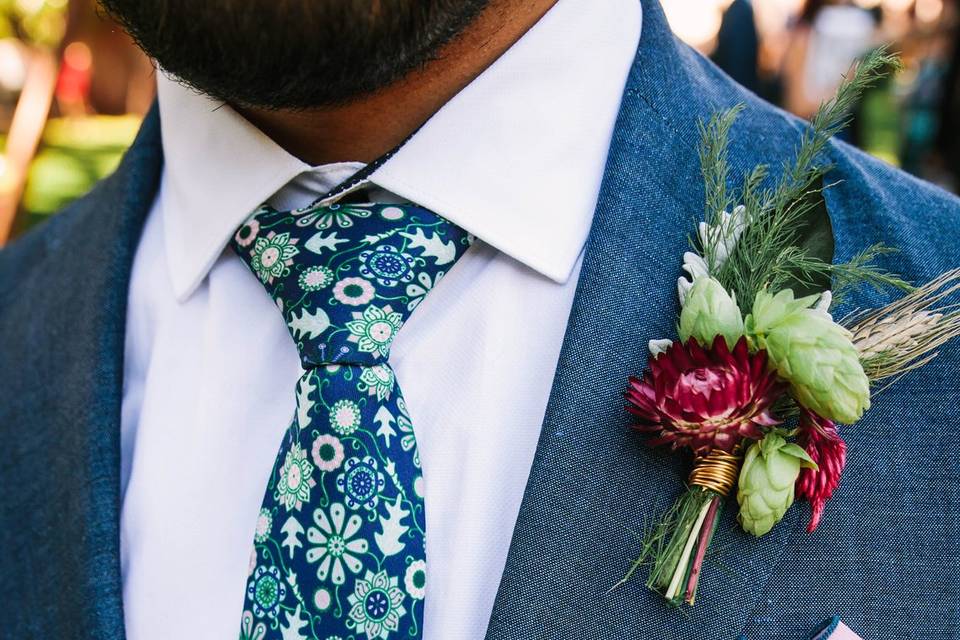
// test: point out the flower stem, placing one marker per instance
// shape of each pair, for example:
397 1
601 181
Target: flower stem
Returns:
706 533
681 570
665 544
676 548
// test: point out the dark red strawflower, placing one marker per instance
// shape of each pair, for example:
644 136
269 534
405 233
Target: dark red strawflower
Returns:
819 437
705 398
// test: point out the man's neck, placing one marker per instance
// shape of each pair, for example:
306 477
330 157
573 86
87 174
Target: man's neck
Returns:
370 126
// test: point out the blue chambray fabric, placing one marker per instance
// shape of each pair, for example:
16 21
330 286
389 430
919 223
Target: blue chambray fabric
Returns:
882 559
339 547
61 379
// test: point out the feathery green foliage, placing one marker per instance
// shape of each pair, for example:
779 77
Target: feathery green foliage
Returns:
713 161
777 248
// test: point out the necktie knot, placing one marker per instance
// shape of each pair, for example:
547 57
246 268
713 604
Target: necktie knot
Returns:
347 277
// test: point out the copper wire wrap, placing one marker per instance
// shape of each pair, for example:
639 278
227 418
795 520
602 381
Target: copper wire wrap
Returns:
716 471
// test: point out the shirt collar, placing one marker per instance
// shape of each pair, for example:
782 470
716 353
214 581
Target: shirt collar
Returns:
516 158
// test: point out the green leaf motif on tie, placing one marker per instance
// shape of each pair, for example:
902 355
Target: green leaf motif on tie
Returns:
339 546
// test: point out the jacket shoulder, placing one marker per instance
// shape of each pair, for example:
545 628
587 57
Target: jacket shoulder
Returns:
871 201
31 255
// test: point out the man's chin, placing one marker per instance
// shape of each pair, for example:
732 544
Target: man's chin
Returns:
291 55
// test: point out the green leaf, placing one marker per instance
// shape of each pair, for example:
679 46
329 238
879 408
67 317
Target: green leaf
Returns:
799 452
771 443
814 237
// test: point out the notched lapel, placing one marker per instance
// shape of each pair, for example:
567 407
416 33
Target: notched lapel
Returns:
595 487
62 318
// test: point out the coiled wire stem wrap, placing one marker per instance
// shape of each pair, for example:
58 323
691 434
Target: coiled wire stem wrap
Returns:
717 471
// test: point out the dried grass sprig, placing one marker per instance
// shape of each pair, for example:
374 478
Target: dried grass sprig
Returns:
906 334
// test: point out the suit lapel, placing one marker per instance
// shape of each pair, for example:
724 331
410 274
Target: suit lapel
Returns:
67 338
594 485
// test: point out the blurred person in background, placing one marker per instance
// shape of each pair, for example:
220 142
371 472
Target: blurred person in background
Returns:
948 138
909 118
926 90
738 44
120 78
826 40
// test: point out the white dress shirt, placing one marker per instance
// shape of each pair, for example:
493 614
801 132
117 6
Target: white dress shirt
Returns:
516 158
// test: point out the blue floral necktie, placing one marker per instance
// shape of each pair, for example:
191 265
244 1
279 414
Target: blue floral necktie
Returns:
339 542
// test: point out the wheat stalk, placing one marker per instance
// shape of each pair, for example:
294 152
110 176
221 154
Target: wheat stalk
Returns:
906 334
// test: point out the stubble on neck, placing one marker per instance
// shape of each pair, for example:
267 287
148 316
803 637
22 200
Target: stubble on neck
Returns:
368 127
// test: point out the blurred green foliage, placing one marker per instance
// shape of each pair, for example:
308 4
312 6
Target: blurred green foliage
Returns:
75 153
38 22
881 131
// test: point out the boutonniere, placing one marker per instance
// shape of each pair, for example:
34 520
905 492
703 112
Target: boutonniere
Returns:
761 374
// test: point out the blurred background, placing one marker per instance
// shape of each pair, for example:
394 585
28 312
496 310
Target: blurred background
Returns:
793 53
73 87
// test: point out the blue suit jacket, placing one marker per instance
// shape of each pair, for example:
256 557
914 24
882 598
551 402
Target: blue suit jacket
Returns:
884 559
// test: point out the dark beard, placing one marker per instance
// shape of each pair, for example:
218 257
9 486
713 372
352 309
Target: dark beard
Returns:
292 54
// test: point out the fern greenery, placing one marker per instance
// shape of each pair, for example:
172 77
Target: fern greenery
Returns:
774 250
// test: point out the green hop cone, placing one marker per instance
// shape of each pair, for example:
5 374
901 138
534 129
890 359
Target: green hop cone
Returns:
767 478
811 352
710 311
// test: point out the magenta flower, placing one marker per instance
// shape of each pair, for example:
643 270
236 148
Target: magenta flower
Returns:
705 398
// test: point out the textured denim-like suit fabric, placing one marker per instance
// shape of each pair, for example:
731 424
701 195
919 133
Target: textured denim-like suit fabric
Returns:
884 559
